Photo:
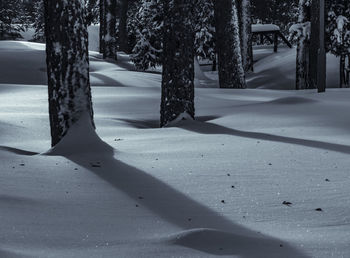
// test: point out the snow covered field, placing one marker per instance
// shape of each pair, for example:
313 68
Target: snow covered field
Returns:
212 187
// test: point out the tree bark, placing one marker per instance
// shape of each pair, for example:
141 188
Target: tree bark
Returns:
67 65
178 62
110 33
231 72
123 33
245 28
303 48
314 41
102 25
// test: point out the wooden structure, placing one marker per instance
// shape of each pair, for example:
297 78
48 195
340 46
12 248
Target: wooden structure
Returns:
270 32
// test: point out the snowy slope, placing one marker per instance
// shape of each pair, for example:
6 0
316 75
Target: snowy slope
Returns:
205 188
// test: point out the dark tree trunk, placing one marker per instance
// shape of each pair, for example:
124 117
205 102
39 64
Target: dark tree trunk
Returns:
110 32
178 62
321 57
231 72
342 71
314 42
245 29
102 26
67 65
123 33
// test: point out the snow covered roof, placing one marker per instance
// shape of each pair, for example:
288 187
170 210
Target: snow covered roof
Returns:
264 27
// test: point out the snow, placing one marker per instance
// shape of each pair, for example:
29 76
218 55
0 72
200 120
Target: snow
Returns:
205 188
264 27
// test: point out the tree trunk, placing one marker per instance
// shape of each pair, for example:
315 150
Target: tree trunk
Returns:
347 72
110 33
245 26
303 47
314 42
123 33
342 71
231 72
178 62
321 57
102 25
67 65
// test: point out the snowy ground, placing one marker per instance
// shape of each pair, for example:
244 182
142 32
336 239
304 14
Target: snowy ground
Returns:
203 189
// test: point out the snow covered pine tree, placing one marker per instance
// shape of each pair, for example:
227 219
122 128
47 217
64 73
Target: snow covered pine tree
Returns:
231 72
178 62
149 35
338 37
67 65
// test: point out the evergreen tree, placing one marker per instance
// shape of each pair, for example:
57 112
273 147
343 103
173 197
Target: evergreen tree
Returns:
149 28
67 65
338 36
204 30
12 19
283 13
39 21
178 62
231 72
92 11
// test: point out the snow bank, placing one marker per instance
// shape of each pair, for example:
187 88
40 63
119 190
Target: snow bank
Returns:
264 27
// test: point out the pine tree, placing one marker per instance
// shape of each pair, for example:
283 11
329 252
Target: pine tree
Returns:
12 19
178 62
92 11
39 22
338 37
149 28
110 30
204 30
67 65
102 25
231 72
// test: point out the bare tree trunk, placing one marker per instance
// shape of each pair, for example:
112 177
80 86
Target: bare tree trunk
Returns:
321 58
102 26
110 32
245 26
178 62
303 48
228 45
342 71
67 65
123 33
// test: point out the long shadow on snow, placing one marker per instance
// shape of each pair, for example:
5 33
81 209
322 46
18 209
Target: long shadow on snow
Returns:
210 128
207 231
18 151
106 81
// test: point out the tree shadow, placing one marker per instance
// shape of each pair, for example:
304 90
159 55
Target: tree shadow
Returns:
153 124
106 81
211 128
204 229
18 151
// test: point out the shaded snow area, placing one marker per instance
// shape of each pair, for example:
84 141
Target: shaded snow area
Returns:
260 174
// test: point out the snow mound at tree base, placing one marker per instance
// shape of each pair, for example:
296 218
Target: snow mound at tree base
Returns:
81 139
